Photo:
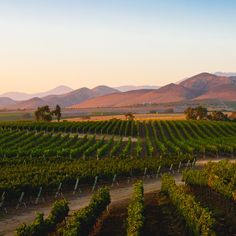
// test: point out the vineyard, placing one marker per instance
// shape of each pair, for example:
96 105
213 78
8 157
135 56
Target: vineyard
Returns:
117 138
43 160
187 209
34 155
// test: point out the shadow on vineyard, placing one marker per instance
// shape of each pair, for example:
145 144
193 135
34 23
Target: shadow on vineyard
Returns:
224 210
161 218
114 222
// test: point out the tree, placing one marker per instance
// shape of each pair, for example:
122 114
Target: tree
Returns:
57 112
129 116
218 116
201 113
190 113
198 113
43 114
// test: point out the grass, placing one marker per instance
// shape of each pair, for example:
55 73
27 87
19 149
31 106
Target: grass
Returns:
15 116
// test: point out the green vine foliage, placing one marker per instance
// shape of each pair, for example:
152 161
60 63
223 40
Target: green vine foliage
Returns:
221 177
82 222
135 220
198 219
42 226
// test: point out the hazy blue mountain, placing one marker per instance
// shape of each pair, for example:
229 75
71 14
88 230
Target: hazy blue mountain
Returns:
18 96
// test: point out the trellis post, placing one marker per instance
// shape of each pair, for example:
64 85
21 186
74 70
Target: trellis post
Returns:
20 201
58 190
95 183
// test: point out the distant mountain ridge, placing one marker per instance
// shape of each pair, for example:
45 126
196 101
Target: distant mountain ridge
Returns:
126 88
204 86
64 100
79 95
5 101
199 87
18 96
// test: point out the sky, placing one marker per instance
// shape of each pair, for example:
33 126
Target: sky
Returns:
79 43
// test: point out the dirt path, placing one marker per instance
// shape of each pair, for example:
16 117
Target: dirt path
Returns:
203 162
101 136
12 221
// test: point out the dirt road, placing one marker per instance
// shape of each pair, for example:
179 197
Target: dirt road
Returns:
10 222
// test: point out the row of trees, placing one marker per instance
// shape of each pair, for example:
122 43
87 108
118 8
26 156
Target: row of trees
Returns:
201 113
45 114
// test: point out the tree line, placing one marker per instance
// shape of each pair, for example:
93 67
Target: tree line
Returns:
201 113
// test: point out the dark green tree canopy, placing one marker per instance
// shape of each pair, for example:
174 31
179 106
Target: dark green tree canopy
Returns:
45 114
218 116
57 112
198 113
201 113
129 116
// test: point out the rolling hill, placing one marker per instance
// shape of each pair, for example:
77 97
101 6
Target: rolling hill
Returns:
205 82
68 99
168 93
78 96
32 103
5 102
199 87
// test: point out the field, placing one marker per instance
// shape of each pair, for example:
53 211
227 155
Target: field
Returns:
141 117
93 116
15 115
46 159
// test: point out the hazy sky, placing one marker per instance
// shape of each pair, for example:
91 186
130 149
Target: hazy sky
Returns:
45 43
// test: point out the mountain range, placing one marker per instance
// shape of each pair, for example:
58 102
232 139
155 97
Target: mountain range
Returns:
64 100
19 96
204 86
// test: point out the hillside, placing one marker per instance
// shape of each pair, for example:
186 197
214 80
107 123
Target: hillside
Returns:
168 93
68 99
199 87
5 102
205 82
127 88
225 92
28 104
79 95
